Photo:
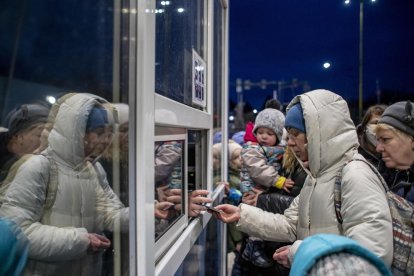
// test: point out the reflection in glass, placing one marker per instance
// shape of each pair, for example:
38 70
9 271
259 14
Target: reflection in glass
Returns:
196 151
169 168
179 31
61 198
50 48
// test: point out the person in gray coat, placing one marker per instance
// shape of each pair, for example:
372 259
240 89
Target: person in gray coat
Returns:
323 138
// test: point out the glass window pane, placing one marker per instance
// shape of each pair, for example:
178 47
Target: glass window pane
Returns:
205 256
169 178
196 160
179 33
64 93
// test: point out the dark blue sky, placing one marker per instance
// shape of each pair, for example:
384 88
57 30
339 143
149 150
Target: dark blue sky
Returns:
282 40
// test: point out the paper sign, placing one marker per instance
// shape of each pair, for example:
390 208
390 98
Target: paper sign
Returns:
199 80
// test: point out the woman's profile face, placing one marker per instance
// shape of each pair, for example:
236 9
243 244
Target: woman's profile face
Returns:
28 141
297 143
396 150
97 141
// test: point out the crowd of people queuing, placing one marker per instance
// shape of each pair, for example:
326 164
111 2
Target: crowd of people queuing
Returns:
59 206
322 139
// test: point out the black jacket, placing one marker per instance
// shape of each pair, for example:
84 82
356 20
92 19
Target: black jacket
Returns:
400 182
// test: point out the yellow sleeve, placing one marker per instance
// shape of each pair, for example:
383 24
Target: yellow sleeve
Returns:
279 183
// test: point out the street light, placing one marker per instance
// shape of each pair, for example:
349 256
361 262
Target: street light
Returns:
361 55
326 65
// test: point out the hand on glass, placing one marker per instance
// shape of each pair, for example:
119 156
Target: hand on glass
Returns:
163 192
98 243
281 256
162 209
175 197
229 213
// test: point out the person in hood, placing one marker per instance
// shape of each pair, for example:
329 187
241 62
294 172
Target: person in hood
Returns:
395 136
323 138
67 238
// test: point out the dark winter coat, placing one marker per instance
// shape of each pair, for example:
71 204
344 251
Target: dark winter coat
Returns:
400 182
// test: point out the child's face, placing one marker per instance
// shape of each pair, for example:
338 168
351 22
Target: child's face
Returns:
265 136
235 160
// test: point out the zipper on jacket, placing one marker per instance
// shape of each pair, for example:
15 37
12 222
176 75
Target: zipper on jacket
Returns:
82 201
314 182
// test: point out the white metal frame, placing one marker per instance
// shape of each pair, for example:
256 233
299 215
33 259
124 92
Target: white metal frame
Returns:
143 119
144 110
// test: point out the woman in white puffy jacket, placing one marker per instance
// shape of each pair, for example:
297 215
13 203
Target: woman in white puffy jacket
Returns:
66 238
323 137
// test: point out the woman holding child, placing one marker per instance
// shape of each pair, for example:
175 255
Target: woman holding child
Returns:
323 138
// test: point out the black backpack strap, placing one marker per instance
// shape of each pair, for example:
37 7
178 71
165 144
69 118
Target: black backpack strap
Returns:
338 182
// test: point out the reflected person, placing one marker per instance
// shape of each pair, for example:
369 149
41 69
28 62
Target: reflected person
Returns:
24 126
62 199
168 168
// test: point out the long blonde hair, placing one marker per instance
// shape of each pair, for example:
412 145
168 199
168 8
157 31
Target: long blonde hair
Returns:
289 160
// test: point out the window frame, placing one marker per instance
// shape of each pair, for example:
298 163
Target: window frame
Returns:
145 109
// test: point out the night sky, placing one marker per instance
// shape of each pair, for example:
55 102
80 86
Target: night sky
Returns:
282 40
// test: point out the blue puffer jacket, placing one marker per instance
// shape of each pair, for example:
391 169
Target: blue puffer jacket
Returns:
315 247
14 249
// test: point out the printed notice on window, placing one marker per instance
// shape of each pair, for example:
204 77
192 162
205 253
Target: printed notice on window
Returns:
199 80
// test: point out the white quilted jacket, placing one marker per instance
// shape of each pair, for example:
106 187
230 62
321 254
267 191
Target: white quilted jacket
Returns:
84 201
332 141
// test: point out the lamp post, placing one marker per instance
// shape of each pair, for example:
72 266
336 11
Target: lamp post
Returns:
361 56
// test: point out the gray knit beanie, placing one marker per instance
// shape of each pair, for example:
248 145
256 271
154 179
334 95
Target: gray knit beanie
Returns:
272 119
401 116
24 117
343 264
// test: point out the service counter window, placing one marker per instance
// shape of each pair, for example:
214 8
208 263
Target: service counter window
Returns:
179 169
169 181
